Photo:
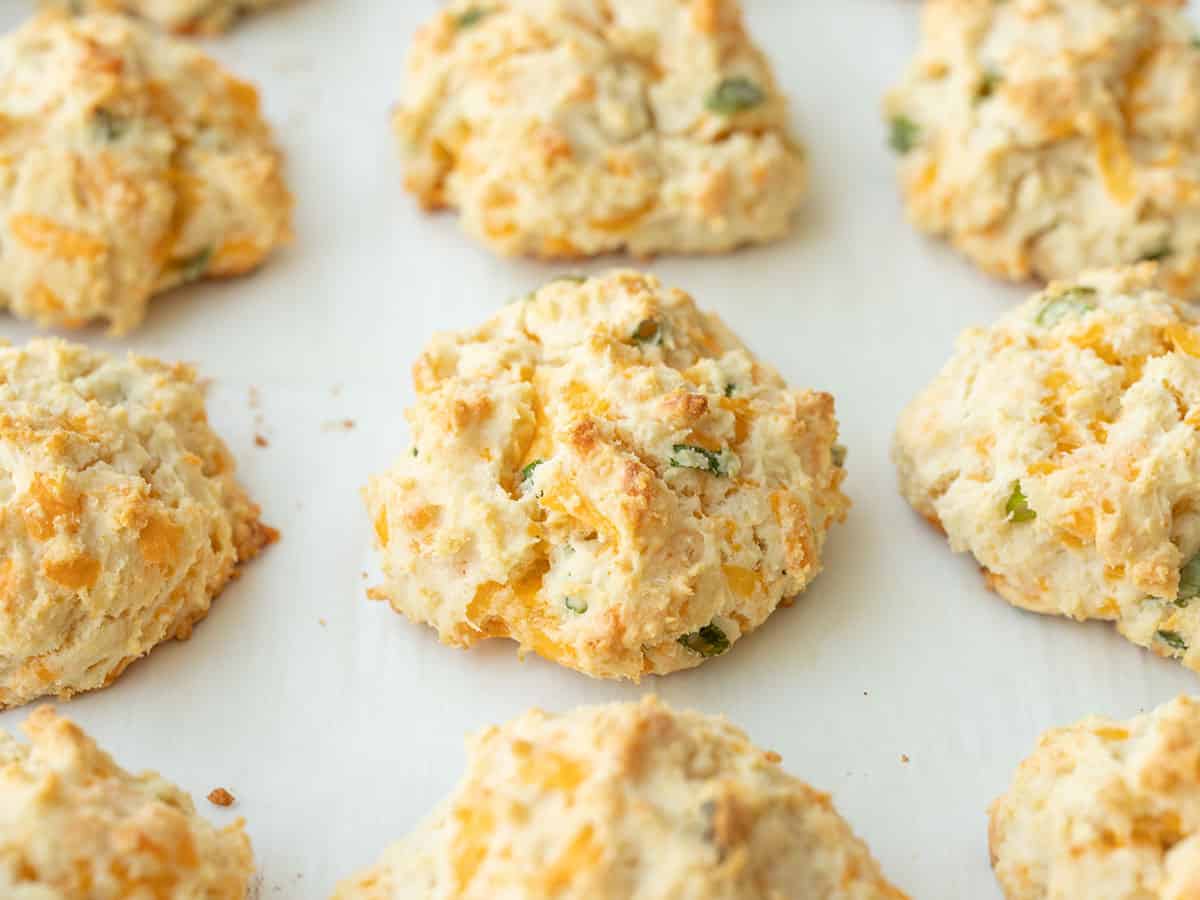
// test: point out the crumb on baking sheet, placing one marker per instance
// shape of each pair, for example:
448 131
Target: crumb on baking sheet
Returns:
260 441
338 425
904 757
221 797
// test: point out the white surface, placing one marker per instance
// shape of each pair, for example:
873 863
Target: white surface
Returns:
338 724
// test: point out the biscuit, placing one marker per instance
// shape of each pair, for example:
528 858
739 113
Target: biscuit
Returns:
130 163
120 518
74 824
1105 809
608 476
193 17
570 128
1060 448
1043 137
625 800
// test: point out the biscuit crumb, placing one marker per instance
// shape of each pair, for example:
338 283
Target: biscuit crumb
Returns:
904 757
772 756
338 425
221 797
260 441
322 622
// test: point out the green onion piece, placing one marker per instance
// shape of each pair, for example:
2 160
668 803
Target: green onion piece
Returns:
689 456
1189 581
1173 640
1073 301
1017 507
574 279
987 84
1159 253
838 452
192 267
708 641
648 332
734 95
108 125
527 471
575 605
903 134
472 16
729 389
414 452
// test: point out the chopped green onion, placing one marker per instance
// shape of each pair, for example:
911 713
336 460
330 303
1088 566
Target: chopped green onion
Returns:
1159 253
108 125
903 134
1189 581
414 452
574 279
987 84
729 389
579 607
1073 301
527 471
734 95
472 16
648 332
1017 507
838 452
192 267
708 641
1173 640
689 456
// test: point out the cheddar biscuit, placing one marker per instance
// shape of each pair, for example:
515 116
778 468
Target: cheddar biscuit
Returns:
1045 137
120 518
1060 448
1105 809
130 163
625 800
205 17
608 476
572 128
74 824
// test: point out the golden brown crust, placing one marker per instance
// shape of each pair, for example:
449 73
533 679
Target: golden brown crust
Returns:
608 476
73 824
120 519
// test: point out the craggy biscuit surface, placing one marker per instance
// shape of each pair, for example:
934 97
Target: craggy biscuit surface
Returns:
1060 448
129 163
1047 137
1106 810
180 16
76 826
120 518
566 128
630 800
608 476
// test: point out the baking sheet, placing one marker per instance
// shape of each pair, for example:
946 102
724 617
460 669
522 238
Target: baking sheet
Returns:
338 724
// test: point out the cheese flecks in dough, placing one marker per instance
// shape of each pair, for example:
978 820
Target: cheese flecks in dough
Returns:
74 824
625 800
1060 448
1105 809
130 163
120 517
570 128
1046 137
608 476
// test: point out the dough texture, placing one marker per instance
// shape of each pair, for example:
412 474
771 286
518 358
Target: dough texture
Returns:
570 128
608 476
120 518
630 800
130 163
76 826
191 17
1060 448
1106 810
1047 137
